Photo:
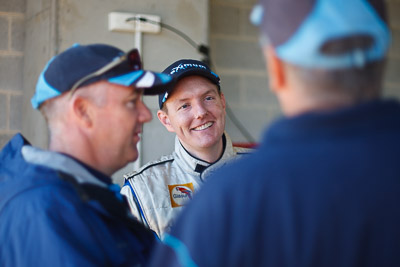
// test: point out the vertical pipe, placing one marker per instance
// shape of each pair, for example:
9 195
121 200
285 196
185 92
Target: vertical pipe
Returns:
138 40
138 45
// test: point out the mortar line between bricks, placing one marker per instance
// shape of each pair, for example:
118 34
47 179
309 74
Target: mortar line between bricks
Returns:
391 84
234 37
8 132
11 53
393 56
11 92
11 37
222 70
237 5
12 14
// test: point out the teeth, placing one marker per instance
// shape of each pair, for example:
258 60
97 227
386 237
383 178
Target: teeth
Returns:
204 126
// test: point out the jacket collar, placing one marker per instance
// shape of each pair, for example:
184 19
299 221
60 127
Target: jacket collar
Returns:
196 165
60 162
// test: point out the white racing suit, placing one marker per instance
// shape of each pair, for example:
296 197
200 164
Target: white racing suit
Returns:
157 191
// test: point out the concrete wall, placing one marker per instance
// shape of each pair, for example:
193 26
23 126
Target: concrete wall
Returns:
54 25
40 45
31 32
12 27
392 81
238 59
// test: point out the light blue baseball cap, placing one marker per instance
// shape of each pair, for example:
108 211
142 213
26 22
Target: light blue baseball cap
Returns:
299 29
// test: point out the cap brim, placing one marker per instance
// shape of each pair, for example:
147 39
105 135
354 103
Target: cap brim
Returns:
152 83
214 78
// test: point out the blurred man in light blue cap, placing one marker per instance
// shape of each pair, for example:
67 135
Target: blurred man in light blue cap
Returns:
59 207
323 188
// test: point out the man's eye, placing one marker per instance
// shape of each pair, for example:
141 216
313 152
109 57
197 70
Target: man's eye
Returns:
132 103
209 98
184 106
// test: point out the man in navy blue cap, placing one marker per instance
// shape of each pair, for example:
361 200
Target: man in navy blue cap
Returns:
194 109
323 189
58 207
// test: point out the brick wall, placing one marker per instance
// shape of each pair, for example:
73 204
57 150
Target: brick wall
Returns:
392 81
11 67
235 52
238 59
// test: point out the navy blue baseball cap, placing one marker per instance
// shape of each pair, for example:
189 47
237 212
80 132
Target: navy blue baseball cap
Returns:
82 65
298 30
187 67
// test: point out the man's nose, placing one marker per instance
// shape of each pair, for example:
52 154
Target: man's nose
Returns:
199 110
144 113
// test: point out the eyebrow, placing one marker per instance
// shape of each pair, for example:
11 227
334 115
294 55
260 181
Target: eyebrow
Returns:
135 94
206 93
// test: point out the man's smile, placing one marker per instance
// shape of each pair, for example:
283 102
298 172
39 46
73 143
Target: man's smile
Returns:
203 126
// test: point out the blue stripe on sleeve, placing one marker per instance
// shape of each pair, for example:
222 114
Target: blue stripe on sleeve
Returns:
137 203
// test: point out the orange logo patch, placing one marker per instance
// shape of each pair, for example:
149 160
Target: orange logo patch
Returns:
180 194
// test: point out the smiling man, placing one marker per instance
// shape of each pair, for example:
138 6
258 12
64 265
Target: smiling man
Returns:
195 110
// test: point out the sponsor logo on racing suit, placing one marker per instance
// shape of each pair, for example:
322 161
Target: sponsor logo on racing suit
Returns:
180 194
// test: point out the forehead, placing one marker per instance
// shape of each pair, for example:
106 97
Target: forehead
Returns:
192 86
107 92
114 88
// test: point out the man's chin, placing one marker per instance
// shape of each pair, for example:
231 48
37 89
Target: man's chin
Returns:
133 157
210 136
207 142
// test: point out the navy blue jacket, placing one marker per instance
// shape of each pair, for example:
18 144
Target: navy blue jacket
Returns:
55 212
322 190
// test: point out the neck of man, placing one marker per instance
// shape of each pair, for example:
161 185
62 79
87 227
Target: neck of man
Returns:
208 154
297 101
79 147
300 106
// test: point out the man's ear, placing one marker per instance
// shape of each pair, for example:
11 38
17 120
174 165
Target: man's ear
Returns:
82 111
164 119
276 71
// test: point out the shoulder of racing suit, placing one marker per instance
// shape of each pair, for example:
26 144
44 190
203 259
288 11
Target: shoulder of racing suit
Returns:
160 161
